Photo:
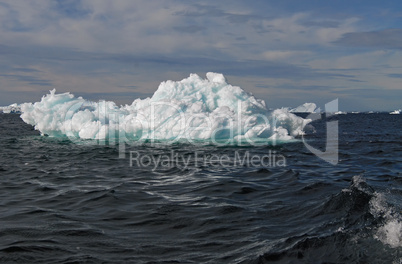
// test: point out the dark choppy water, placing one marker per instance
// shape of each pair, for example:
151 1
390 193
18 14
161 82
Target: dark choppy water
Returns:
68 203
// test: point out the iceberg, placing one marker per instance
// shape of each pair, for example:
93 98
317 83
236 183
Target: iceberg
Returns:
340 113
11 109
191 109
304 108
396 112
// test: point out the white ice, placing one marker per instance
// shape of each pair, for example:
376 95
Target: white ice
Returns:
193 109
305 108
12 108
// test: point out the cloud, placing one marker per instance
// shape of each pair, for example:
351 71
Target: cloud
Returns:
31 80
375 60
129 86
383 39
198 10
189 29
70 8
395 75
321 23
82 62
27 75
281 55
117 47
25 70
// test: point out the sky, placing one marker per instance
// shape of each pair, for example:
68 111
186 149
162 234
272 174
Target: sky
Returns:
285 52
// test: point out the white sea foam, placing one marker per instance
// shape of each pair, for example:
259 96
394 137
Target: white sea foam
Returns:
192 109
390 232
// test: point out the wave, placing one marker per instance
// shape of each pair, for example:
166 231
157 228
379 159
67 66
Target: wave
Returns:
190 109
366 228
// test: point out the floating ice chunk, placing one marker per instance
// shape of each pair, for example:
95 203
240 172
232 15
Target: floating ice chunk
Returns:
340 113
396 112
192 109
12 108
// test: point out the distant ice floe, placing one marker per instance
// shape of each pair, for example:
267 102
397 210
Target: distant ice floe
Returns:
11 109
396 112
193 109
340 113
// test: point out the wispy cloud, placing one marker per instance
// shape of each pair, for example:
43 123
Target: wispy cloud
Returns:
321 23
383 39
395 75
284 54
189 29
32 80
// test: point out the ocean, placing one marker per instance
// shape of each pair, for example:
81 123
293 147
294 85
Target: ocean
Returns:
83 202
